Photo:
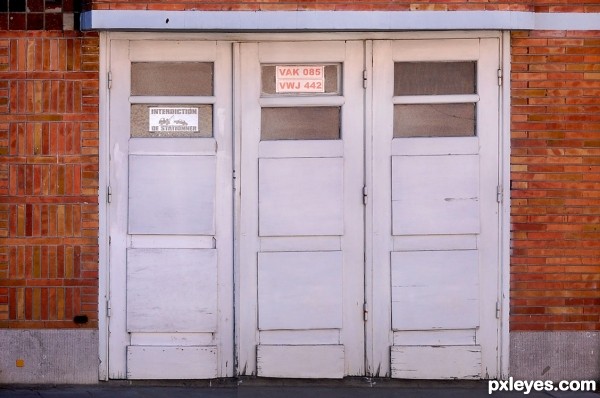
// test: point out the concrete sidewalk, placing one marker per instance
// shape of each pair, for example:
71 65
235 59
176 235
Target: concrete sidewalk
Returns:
358 388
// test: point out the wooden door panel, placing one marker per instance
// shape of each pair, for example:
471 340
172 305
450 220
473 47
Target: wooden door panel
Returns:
300 290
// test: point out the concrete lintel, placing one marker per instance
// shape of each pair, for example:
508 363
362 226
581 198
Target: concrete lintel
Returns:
340 21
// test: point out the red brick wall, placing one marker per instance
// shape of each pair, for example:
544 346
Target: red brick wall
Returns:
48 179
397 5
555 266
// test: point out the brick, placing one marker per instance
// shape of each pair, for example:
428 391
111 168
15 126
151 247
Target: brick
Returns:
43 176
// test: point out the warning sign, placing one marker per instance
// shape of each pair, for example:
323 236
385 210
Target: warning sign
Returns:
173 119
300 79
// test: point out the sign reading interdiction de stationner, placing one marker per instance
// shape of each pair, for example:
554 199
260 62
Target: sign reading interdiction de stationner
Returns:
173 119
300 79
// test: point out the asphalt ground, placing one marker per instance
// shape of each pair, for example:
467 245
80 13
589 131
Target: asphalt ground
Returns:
261 388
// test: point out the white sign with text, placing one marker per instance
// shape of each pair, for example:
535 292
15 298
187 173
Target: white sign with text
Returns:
173 119
300 79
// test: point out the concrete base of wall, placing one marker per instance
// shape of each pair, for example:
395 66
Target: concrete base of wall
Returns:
555 355
48 356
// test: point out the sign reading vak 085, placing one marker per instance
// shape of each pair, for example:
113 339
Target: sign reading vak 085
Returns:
300 79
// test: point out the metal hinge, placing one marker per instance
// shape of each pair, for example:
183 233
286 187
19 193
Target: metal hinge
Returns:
108 194
365 78
365 312
500 77
109 81
365 192
497 309
499 193
108 308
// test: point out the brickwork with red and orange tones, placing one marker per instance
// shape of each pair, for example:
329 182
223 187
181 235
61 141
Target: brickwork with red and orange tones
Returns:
48 179
555 174
340 5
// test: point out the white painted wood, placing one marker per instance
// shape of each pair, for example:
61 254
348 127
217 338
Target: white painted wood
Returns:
504 159
296 337
435 50
172 339
118 171
489 249
222 132
435 99
444 285
347 156
369 177
300 290
301 196
441 362
103 217
305 149
379 204
248 113
168 50
172 146
485 147
159 203
146 362
428 201
301 361
435 337
246 37
435 146
324 51
321 100
435 242
353 332
171 290
300 243
172 242
174 99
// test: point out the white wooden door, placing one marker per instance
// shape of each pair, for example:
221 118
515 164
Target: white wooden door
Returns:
434 209
171 260
301 247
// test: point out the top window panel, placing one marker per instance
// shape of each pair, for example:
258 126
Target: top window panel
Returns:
172 78
434 78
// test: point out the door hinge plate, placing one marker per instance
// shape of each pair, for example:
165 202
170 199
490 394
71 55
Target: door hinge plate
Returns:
365 78
499 77
109 80
108 308
108 194
365 312
365 193
497 309
499 193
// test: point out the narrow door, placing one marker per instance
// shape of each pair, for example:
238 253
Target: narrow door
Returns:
171 268
301 242
435 210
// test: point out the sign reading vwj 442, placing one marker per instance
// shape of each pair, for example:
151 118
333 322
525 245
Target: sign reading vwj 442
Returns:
173 119
300 79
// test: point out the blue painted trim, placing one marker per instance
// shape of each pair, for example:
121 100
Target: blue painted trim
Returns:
333 21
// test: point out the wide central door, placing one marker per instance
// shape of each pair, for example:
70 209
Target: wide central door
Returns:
301 247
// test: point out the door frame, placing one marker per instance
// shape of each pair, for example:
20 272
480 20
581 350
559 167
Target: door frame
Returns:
105 39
